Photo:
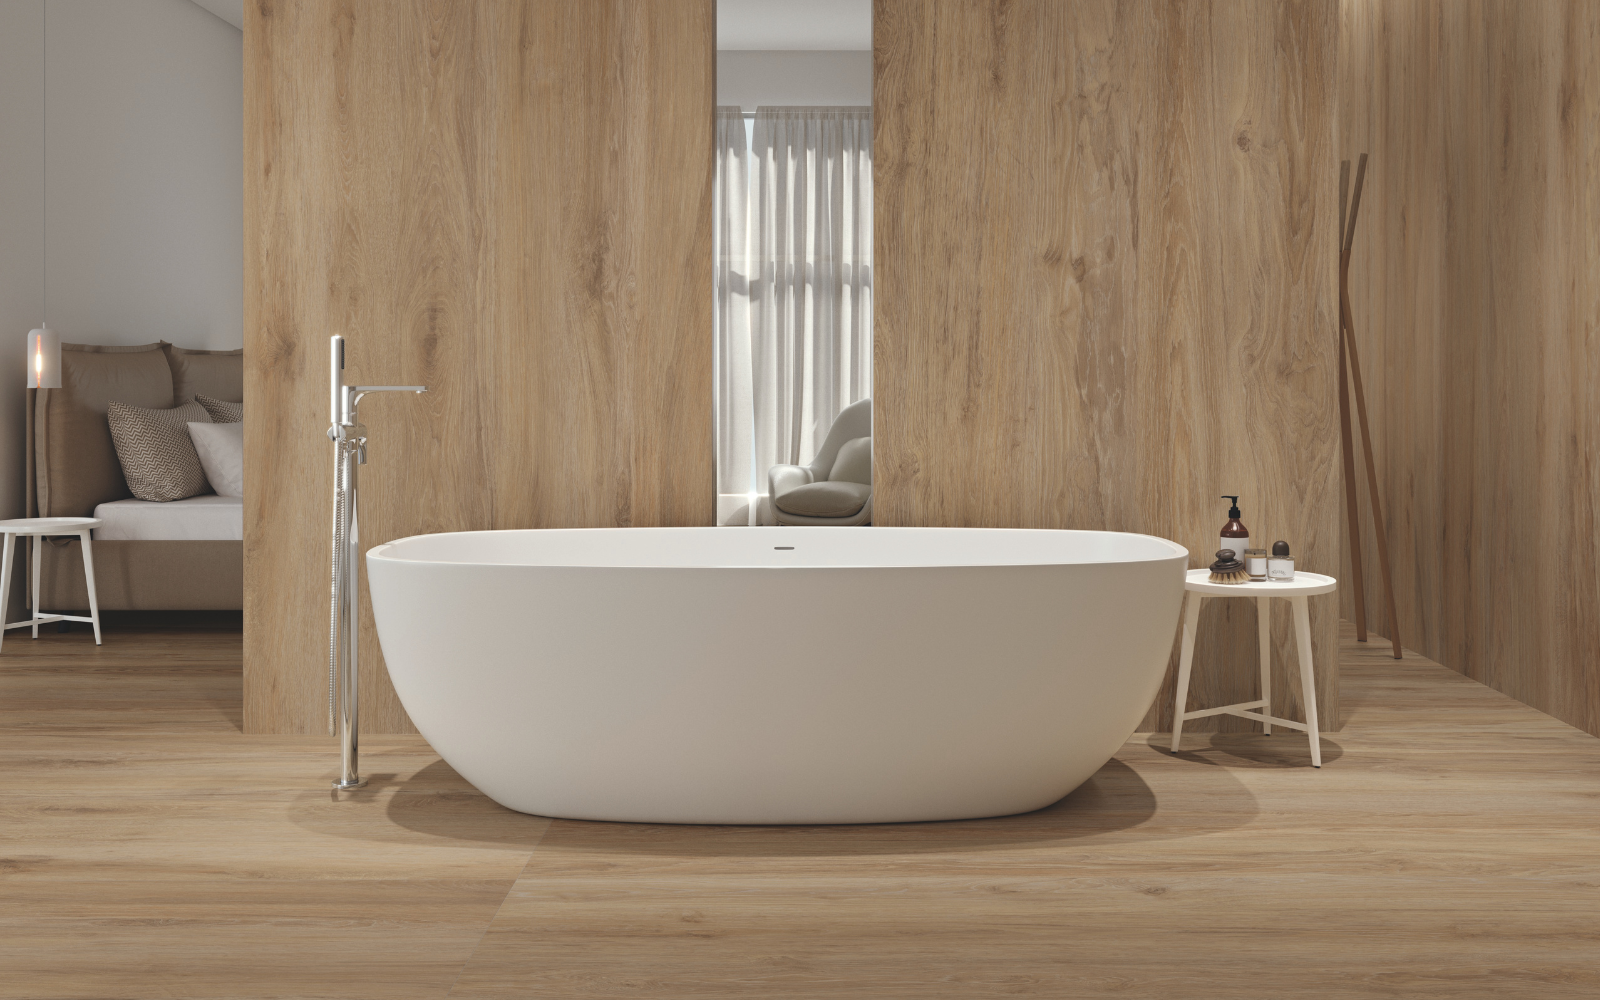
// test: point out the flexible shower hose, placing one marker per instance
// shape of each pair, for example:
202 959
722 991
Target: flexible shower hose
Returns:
340 527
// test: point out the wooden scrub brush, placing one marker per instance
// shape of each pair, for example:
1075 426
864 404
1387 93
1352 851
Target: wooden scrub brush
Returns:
1228 568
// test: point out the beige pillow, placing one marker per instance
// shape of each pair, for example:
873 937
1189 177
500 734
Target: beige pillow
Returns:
221 412
218 374
854 462
156 452
77 466
830 499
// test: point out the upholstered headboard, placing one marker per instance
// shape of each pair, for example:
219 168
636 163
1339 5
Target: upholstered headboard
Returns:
72 463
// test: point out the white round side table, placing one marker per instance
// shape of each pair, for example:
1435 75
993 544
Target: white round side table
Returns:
1303 585
38 528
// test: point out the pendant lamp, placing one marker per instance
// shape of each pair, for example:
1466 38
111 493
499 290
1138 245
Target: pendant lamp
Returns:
44 358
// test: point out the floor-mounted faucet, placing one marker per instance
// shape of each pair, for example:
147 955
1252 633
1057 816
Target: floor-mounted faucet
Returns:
349 437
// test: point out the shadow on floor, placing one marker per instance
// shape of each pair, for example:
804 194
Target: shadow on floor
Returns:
434 801
231 707
1115 804
155 621
1288 748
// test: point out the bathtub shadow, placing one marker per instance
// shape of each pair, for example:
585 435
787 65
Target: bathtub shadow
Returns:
1116 805
433 801
1288 748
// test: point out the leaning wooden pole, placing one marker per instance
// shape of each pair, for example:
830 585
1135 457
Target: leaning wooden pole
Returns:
1348 339
1351 509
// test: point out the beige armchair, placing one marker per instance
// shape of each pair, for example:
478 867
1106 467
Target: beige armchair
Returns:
836 488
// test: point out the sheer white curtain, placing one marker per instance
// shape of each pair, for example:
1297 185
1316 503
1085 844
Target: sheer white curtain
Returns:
794 287
730 243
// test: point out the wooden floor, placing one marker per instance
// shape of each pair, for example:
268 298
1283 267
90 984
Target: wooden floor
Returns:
1449 848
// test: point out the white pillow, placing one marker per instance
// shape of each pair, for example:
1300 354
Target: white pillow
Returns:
221 449
854 464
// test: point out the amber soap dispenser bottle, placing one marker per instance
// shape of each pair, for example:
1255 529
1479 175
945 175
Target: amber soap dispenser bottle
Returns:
1235 535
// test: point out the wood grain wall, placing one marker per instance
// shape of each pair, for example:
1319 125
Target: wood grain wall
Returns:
1106 263
510 202
1476 299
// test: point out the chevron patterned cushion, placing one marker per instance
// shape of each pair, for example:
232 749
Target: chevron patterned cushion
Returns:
157 455
222 411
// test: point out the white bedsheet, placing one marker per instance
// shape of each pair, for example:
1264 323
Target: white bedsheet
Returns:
202 517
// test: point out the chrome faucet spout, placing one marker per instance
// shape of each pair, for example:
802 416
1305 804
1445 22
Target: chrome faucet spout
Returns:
350 397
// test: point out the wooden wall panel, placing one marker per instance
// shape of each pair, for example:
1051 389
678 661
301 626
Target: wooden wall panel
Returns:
1476 298
1105 285
508 201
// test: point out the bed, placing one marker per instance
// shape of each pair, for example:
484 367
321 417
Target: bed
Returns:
183 555
201 518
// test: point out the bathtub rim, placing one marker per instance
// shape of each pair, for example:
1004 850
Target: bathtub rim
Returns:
1175 551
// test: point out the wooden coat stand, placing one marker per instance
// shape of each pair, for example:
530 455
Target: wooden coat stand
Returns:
1349 374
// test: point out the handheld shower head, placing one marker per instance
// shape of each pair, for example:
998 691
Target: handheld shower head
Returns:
335 380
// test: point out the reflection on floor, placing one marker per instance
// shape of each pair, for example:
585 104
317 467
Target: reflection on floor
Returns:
1450 848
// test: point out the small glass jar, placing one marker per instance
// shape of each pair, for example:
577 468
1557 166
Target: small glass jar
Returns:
1280 565
1255 563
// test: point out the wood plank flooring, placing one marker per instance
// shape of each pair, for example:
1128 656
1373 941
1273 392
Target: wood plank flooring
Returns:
1449 848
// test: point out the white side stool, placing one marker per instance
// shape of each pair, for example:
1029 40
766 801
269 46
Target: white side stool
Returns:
1304 585
38 528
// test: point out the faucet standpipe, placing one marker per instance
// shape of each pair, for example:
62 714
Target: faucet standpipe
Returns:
349 437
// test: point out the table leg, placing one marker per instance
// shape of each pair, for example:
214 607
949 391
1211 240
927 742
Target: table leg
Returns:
1264 634
88 578
38 554
1308 678
1191 617
5 581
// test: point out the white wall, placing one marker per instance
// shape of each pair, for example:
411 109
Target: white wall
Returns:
752 77
145 144
21 227
794 24
141 139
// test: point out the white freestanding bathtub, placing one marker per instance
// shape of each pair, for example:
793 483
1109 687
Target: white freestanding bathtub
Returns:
776 675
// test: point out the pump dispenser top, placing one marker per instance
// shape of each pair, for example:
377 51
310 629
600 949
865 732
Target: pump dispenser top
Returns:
1234 534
